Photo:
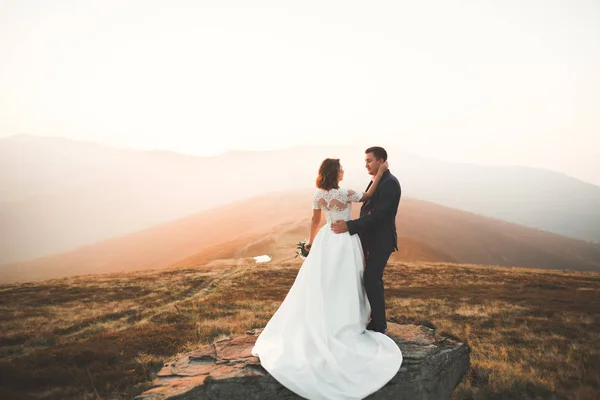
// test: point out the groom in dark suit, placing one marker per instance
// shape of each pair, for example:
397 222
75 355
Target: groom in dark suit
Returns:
376 228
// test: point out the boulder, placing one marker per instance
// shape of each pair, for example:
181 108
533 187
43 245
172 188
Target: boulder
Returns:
432 366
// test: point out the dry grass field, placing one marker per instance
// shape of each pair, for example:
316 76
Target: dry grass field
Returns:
534 334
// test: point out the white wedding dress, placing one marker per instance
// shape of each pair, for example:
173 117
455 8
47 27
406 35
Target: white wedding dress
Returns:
316 344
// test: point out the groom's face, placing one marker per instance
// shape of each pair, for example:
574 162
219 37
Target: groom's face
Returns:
372 163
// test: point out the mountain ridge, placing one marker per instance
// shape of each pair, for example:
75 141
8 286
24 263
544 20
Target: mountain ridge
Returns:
272 224
56 201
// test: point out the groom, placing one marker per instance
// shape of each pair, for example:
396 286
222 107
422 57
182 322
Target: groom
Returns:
376 228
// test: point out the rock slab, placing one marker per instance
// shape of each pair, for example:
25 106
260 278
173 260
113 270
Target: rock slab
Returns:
432 367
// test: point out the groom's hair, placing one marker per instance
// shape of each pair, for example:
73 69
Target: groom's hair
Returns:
378 152
328 174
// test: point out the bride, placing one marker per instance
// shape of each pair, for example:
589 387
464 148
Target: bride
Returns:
316 343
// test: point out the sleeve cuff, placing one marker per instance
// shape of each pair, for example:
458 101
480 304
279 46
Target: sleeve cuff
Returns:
351 227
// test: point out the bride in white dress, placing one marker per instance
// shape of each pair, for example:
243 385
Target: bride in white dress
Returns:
316 343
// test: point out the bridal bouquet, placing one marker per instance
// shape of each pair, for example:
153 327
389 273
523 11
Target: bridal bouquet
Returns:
301 251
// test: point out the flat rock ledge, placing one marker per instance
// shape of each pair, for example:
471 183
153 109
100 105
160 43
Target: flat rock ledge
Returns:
433 366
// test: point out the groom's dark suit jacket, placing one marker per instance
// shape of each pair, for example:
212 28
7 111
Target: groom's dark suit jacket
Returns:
376 226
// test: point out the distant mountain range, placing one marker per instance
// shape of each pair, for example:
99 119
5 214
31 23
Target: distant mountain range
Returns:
273 224
58 194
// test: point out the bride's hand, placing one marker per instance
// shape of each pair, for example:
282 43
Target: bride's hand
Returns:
384 167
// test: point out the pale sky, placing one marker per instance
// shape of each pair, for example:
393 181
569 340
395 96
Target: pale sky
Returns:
501 82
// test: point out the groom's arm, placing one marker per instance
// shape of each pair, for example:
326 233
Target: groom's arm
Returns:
390 196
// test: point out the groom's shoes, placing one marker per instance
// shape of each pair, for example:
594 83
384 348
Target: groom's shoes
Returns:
375 328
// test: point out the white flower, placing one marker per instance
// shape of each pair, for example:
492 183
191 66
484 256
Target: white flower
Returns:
262 259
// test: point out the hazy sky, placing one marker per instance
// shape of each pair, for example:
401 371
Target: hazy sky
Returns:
503 82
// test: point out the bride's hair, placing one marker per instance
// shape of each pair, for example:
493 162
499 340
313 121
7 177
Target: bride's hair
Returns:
328 174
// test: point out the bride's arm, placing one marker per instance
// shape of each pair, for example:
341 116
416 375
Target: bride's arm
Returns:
315 222
369 194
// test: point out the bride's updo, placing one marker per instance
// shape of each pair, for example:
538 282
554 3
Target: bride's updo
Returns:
328 174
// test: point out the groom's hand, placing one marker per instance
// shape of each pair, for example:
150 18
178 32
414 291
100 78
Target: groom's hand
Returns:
339 226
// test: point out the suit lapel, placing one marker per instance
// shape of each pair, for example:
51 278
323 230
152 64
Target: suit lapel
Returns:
365 205
362 207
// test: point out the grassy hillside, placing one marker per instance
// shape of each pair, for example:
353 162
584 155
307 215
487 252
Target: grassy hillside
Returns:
533 333
272 224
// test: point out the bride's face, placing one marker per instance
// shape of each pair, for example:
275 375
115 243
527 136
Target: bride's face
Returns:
340 174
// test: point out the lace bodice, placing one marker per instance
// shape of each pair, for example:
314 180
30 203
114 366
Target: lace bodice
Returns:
336 203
